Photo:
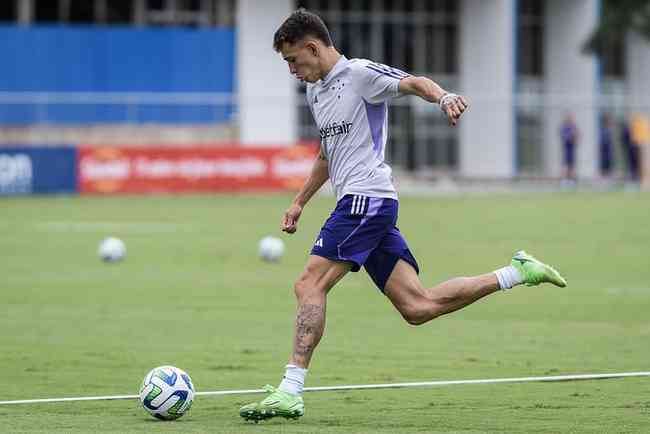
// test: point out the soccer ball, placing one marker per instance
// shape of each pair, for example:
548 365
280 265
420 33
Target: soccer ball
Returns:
167 392
271 249
111 249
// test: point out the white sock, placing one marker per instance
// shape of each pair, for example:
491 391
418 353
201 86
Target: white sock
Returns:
508 277
293 380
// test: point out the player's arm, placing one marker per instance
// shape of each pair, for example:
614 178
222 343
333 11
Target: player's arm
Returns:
319 174
453 105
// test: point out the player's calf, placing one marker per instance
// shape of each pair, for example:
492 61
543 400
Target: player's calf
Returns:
419 306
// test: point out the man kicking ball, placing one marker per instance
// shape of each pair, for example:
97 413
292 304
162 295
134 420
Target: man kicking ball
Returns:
349 102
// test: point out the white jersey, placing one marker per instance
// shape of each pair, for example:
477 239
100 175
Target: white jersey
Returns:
350 108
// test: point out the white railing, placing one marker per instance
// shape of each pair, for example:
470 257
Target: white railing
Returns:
214 105
118 98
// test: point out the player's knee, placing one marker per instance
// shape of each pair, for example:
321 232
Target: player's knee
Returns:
305 286
300 287
417 315
411 315
415 319
317 279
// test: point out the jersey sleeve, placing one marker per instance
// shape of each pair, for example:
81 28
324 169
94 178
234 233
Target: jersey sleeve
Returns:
376 82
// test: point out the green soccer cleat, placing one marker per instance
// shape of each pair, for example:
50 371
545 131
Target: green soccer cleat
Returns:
535 272
278 403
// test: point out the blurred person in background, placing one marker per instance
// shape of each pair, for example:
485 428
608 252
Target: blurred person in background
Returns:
640 135
349 99
569 136
631 152
605 147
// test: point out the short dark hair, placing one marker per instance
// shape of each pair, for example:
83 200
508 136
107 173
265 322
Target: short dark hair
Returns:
301 23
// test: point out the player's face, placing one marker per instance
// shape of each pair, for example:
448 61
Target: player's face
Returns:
302 59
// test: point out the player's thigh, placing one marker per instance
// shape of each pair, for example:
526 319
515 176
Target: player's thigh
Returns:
403 287
383 260
320 275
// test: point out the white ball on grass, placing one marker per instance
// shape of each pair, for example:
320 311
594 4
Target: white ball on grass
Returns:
271 249
167 392
112 249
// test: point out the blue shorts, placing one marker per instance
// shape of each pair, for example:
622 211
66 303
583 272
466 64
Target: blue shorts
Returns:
362 230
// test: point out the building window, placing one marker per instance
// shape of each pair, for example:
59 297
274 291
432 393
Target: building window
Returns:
80 11
530 88
529 134
530 44
46 11
118 12
8 11
612 60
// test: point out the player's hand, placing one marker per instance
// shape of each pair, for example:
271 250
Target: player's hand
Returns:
290 219
453 105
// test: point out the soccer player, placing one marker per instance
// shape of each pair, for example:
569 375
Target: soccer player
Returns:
349 102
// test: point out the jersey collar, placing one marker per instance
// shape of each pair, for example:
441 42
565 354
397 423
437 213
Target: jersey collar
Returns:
338 66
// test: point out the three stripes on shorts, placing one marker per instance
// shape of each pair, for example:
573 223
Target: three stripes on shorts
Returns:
359 205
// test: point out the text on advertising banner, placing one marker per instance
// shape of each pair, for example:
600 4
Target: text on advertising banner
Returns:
151 170
27 170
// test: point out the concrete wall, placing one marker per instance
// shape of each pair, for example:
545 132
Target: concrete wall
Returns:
267 106
486 78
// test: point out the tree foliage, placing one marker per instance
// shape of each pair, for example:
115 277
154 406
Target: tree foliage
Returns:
619 17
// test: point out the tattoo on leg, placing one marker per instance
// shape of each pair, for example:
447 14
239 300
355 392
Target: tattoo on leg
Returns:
310 322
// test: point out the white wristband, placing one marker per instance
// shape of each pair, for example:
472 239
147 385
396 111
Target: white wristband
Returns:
445 97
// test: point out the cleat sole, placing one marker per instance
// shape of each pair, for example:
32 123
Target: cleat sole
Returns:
257 416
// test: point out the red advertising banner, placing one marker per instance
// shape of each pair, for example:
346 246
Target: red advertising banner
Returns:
151 170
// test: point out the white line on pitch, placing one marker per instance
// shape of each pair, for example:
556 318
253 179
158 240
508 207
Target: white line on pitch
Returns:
555 378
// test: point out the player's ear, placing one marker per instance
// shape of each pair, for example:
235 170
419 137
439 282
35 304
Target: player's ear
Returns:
313 48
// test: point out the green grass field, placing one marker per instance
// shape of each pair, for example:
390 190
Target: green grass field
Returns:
192 293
